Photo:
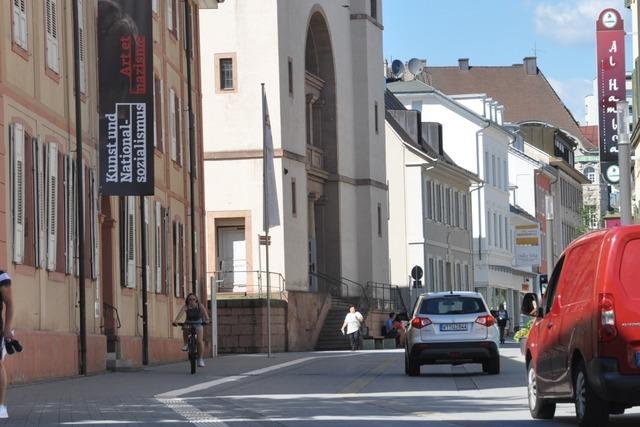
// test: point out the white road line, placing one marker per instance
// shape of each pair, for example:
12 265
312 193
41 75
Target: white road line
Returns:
172 400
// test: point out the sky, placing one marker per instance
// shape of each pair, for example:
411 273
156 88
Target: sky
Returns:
561 33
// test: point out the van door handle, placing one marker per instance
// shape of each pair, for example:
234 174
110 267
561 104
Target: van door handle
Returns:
549 325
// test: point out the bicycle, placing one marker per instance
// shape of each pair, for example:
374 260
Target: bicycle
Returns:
192 341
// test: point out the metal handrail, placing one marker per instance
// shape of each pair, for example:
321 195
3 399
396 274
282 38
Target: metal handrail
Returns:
343 287
277 286
386 296
116 311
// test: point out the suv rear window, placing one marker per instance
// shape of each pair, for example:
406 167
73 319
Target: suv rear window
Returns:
452 305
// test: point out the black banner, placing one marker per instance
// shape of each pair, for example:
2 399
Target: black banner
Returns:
125 52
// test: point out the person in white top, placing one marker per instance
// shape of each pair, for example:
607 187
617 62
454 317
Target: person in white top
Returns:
352 322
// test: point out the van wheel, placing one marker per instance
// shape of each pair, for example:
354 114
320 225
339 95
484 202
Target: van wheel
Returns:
491 366
540 408
591 410
411 367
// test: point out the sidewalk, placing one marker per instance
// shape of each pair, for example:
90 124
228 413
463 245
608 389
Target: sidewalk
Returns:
124 398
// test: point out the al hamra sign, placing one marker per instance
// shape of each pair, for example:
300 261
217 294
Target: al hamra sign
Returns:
611 88
125 51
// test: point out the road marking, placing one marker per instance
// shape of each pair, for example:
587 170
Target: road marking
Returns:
172 400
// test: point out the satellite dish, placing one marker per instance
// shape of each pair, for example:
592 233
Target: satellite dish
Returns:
415 66
397 68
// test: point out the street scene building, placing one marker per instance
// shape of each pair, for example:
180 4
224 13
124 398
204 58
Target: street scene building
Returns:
38 183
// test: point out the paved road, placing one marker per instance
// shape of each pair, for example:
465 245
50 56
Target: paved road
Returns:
294 389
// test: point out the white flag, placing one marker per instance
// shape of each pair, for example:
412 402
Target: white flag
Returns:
271 214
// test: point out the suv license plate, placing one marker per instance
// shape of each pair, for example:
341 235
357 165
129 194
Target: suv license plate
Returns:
448 327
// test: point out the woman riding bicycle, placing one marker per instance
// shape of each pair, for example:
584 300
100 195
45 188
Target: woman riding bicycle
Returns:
195 312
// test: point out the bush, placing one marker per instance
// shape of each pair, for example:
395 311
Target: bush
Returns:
523 332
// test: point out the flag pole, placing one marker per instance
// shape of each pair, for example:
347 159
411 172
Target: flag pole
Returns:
266 216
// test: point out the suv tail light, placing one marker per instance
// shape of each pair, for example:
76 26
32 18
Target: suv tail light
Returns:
487 320
607 328
420 322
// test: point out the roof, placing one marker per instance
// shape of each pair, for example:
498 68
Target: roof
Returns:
525 97
393 103
409 86
515 209
592 136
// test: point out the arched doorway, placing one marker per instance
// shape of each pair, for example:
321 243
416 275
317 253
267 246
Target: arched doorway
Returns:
322 151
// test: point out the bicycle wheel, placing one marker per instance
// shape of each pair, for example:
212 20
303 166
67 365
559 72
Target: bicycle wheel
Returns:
192 354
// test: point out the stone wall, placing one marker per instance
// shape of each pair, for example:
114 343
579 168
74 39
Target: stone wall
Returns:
242 326
306 313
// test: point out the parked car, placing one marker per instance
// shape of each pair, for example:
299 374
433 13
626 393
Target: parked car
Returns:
584 345
452 328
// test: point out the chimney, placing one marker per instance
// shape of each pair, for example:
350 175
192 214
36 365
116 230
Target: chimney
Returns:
463 64
530 65
432 134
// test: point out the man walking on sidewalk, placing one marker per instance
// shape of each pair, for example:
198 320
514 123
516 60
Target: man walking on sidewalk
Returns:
353 321
6 302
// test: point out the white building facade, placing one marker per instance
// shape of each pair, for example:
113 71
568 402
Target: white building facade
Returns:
473 136
326 107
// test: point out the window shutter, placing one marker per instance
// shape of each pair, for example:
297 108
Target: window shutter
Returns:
179 129
83 47
169 14
17 162
166 239
147 227
39 166
131 242
158 246
172 122
183 272
155 112
20 23
51 13
70 211
52 205
94 223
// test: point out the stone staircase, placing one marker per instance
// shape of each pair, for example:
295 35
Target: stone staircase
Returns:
330 337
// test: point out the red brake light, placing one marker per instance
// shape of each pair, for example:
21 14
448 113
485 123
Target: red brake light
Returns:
487 320
420 322
607 330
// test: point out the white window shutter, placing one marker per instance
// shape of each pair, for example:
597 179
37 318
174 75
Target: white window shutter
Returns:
20 23
51 15
131 242
155 115
41 161
147 226
176 258
158 246
70 212
52 205
83 47
169 4
160 112
94 223
18 202
172 123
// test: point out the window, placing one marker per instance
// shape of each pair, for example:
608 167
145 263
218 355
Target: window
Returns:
294 208
466 277
500 241
290 69
172 17
438 203
226 74
440 275
379 220
20 23
51 24
493 170
505 182
70 214
431 286
447 206
375 116
83 47
428 199
374 9
174 125
178 251
464 212
456 210
590 173
496 242
486 166
158 129
489 234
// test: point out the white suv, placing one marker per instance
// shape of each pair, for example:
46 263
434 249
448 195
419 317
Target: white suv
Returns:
452 328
